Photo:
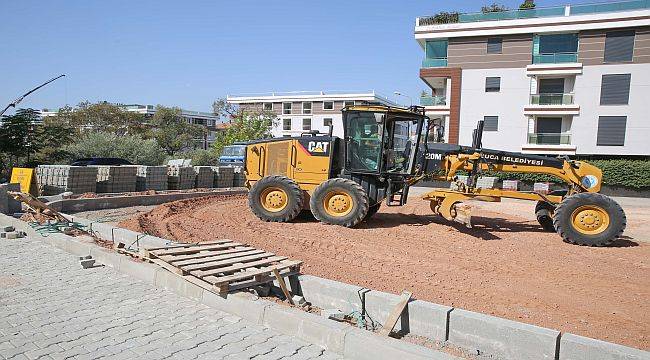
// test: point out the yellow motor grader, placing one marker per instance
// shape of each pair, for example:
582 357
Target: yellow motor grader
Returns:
384 151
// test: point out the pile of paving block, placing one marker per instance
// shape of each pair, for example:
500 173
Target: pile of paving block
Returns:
116 179
204 177
9 232
151 178
180 177
56 179
224 176
239 179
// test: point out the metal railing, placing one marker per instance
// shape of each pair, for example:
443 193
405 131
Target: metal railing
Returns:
549 139
440 62
568 10
551 99
436 100
555 58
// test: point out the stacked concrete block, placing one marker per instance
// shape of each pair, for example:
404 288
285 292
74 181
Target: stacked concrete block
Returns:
56 179
151 178
180 178
542 187
239 179
486 182
116 179
510 185
204 177
224 176
8 205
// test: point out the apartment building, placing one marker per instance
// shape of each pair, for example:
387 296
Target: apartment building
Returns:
208 120
571 80
303 111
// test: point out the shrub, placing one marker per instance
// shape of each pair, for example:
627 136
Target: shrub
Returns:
130 147
199 157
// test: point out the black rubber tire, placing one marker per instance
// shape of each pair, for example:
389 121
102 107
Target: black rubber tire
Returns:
295 198
544 213
564 226
359 202
372 210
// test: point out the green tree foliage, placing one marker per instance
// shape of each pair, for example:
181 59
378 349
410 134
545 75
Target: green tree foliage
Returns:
106 144
102 116
199 157
54 135
245 124
494 8
172 131
527 5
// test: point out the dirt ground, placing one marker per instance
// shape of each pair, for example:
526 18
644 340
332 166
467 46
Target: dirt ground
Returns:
506 266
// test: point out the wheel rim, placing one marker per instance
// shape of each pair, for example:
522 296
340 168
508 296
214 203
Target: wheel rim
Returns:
590 219
274 199
338 203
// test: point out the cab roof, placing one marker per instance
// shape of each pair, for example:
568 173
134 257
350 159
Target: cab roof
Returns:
384 108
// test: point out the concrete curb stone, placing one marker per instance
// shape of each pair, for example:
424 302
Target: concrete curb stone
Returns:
502 337
574 347
360 344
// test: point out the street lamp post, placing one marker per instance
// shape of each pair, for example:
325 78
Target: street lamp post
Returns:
406 96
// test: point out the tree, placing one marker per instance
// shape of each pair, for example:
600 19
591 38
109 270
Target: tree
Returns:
19 135
172 132
245 124
105 144
103 116
54 134
494 8
527 5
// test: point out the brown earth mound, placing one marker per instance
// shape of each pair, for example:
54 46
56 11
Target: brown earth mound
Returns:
506 266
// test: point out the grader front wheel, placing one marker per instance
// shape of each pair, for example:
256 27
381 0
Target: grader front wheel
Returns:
590 219
339 202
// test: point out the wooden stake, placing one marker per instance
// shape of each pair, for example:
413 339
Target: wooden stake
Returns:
283 286
396 313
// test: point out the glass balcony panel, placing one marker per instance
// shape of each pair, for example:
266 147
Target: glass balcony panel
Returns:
549 139
433 100
609 7
556 58
428 63
551 99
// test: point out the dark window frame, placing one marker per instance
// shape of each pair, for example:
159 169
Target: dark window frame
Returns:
600 138
494 41
492 88
488 126
612 35
604 101
284 124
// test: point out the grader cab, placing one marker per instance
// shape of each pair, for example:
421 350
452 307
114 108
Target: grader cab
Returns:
384 151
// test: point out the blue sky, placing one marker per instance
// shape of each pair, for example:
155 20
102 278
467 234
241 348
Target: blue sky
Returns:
189 53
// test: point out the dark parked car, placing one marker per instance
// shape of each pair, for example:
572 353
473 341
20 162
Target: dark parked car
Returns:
100 161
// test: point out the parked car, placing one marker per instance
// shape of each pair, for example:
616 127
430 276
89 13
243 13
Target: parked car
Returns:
233 155
100 161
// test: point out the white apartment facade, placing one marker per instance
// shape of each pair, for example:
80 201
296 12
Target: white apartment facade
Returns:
571 80
300 112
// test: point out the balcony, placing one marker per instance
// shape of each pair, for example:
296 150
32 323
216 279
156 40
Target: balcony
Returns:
551 99
568 10
438 100
557 58
430 63
549 139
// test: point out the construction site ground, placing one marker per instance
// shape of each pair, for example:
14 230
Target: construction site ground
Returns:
505 266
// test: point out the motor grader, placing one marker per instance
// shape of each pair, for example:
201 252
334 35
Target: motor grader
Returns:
385 150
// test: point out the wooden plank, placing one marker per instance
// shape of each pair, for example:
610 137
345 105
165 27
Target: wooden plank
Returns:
266 278
182 245
220 255
201 254
396 313
237 265
169 267
194 249
283 286
250 273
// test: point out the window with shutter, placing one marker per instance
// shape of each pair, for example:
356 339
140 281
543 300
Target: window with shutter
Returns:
492 84
490 123
494 45
615 89
611 131
619 46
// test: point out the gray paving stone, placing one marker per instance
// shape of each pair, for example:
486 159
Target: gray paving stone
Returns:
60 311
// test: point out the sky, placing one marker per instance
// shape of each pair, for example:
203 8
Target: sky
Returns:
190 53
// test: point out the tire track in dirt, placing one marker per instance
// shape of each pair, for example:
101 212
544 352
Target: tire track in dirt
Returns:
506 266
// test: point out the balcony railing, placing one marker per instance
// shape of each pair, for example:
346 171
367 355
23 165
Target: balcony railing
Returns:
429 63
568 10
556 58
433 100
551 99
549 139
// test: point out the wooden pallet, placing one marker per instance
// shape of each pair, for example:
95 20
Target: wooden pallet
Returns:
221 265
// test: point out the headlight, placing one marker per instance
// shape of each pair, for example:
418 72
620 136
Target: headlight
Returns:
589 181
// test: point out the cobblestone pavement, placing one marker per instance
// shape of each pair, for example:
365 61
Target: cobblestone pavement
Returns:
50 308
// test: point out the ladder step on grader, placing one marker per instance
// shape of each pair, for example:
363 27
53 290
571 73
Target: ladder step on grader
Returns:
385 150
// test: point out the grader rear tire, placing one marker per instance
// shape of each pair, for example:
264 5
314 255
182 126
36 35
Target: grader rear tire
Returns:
276 198
339 202
589 219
